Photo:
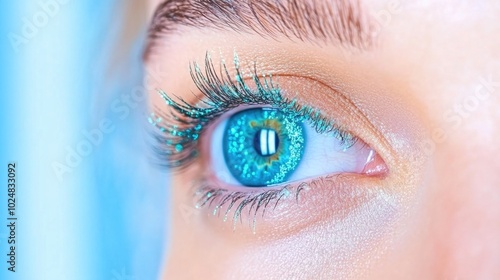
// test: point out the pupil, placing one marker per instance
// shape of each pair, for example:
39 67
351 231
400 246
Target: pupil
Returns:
266 142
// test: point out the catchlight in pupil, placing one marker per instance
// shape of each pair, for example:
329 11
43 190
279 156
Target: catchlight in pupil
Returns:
266 142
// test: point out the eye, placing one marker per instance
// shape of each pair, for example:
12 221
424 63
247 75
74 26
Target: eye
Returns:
260 147
249 144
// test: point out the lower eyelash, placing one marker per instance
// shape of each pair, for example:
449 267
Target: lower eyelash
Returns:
224 200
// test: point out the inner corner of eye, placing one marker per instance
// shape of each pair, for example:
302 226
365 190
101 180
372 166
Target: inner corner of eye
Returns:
259 147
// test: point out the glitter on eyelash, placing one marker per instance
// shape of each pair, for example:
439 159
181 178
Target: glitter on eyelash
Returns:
256 201
182 124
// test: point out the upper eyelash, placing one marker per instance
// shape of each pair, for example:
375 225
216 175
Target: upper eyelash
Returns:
181 126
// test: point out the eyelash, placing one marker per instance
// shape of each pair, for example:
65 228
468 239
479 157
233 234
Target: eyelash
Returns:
256 200
181 126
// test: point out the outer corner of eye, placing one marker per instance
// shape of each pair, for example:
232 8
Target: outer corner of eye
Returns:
260 147
374 164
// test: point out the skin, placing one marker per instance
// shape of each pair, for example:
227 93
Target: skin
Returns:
429 96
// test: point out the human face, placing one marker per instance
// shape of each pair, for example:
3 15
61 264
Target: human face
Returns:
416 82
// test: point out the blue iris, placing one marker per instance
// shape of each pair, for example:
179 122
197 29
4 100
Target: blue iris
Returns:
263 146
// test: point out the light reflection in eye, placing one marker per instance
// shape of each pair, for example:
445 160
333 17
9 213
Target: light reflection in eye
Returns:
261 147
251 135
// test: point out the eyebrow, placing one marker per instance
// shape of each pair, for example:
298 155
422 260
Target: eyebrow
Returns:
342 22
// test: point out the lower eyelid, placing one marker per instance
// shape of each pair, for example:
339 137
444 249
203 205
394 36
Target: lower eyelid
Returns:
303 204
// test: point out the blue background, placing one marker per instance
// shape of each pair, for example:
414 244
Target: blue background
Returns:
99 214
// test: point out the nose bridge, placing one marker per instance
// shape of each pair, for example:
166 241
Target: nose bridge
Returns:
467 224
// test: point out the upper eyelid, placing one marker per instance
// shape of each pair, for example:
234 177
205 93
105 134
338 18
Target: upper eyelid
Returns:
178 137
343 97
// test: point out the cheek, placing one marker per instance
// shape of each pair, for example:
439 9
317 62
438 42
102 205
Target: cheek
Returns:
334 248
467 203
193 243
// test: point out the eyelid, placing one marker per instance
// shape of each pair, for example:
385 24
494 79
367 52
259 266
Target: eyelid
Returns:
334 104
223 92
341 108
307 202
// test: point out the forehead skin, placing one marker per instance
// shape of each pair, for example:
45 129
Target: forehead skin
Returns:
448 54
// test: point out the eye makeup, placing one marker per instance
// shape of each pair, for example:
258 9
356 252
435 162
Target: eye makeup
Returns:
181 127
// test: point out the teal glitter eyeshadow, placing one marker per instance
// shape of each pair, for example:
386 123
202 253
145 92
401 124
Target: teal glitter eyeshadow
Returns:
263 146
